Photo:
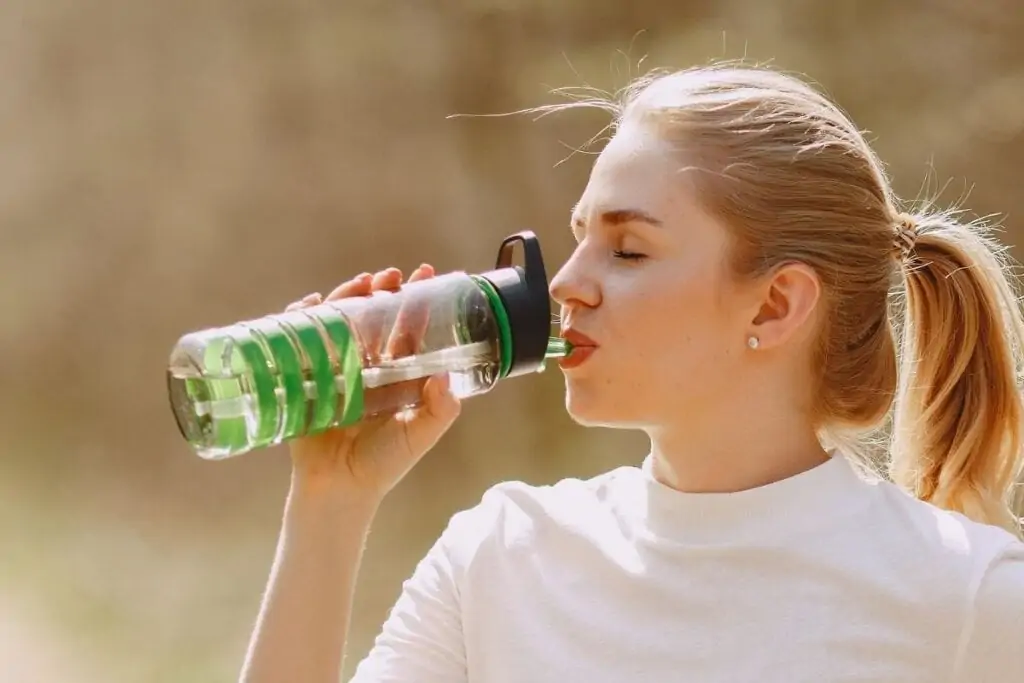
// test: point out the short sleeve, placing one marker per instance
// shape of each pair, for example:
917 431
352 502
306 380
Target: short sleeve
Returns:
422 639
993 651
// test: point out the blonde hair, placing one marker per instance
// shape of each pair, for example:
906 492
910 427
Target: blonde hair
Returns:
795 180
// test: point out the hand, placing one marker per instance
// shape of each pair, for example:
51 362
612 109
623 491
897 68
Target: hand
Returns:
368 459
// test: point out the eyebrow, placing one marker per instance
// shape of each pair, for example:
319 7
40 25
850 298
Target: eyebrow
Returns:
620 216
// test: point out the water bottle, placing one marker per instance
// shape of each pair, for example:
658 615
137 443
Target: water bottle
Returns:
261 382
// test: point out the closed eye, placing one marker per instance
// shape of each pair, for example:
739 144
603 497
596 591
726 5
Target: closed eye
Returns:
629 255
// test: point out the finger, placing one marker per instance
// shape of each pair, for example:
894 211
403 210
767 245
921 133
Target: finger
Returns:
424 272
419 428
374 322
389 279
435 414
357 286
411 322
308 300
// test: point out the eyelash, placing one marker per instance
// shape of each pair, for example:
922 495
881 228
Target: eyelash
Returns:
629 255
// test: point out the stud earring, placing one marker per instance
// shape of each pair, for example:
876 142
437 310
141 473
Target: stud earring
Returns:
753 342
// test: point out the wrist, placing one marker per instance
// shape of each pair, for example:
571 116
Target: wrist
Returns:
326 496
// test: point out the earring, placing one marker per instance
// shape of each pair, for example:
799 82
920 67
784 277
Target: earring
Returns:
753 342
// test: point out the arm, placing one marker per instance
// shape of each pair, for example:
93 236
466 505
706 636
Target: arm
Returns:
993 653
339 478
422 640
301 630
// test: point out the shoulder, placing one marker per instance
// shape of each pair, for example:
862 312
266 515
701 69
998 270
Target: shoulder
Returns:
1001 585
980 567
934 533
565 499
989 646
516 514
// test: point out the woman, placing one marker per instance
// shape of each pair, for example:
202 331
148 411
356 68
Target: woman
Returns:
729 296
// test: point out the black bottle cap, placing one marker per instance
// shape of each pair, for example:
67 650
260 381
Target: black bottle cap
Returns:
524 292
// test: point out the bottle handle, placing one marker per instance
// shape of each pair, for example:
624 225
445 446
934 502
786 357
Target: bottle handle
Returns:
534 271
524 293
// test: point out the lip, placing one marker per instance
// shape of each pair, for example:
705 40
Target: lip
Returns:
577 338
583 347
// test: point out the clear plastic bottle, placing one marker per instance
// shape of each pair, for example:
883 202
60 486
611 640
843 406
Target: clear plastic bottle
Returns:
261 382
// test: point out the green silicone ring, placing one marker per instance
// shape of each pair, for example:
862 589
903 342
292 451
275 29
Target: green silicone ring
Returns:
312 342
255 361
289 375
501 316
349 365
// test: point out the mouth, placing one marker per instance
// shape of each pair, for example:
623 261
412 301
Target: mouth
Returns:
577 339
576 357
583 347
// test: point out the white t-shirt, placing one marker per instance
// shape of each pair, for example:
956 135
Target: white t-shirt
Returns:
825 577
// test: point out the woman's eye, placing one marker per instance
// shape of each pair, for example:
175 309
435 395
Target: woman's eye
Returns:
629 255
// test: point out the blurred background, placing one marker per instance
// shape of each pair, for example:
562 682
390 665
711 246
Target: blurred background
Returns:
167 166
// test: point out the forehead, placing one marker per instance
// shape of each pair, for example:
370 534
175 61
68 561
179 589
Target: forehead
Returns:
637 169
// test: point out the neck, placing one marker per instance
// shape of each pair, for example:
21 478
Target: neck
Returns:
767 443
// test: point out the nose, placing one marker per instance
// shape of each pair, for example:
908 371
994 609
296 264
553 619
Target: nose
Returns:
573 284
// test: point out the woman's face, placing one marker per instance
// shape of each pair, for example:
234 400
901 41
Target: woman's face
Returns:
649 283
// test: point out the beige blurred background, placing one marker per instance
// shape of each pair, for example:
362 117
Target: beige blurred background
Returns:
167 166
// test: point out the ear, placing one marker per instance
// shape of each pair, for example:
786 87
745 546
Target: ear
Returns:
789 299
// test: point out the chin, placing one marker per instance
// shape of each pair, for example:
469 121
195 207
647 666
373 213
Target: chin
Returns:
597 410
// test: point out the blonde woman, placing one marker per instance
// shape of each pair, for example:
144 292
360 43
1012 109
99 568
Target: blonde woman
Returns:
730 296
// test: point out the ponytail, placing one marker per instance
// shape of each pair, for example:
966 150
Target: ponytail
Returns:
957 423
794 180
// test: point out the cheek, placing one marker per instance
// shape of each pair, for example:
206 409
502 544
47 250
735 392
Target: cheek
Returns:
667 342
665 346
676 315
681 343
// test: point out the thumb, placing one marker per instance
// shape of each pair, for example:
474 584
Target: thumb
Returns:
431 419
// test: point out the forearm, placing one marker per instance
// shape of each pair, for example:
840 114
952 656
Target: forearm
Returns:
301 630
